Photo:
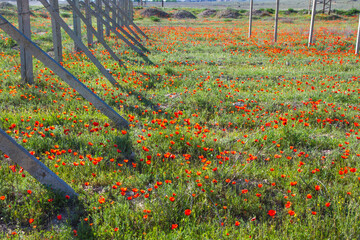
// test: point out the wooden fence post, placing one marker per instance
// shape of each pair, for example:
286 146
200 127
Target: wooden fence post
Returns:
107 11
127 20
131 10
117 18
91 30
100 12
276 20
313 13
65 75
100 28
24 26
32 165
56 33
250 17
358 39
79 42
77 27
127 11
90 39
121 3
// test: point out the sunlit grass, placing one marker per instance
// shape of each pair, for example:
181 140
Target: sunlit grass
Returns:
256 138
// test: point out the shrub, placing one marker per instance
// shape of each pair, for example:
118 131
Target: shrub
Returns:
65 15
270 10
352 12
291 10
155 19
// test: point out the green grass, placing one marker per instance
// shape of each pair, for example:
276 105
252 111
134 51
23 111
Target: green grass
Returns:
241 127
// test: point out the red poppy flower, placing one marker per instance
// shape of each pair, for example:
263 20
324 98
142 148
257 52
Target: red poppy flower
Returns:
187 212
271 213
291 212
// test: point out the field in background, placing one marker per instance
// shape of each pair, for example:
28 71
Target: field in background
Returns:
284 4
231 137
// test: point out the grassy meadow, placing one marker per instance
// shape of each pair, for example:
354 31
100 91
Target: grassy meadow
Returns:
229 137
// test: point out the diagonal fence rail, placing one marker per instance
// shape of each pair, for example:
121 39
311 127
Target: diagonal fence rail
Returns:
32 165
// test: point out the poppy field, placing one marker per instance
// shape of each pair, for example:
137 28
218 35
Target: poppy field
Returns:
229 137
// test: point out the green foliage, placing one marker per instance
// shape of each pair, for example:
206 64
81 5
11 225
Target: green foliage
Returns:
270 10
65 15
352 12
291 10
222 125
7 43
155 19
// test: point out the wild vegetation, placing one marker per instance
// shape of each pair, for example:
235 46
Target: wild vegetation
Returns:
229 137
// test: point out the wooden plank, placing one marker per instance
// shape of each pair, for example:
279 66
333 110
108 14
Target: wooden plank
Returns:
121 5
313 13
116 32
357 49
116 8
79 42
89 34
93 31
113 11
131 22
56 33
125 23
126 15
77 27
65 75
131 11
250 17
276 20
32 165
116 18
100 28
101 13
24 26
107 11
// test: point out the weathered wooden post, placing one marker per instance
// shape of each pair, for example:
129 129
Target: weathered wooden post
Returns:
127 21
89 35
358 39
121 4
100 12
128 12
91 30
56 33
32 165
107 11
118 17
250 17
131 10
78 41
99 22
313 13
65 75
25 56
77 26
276 20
